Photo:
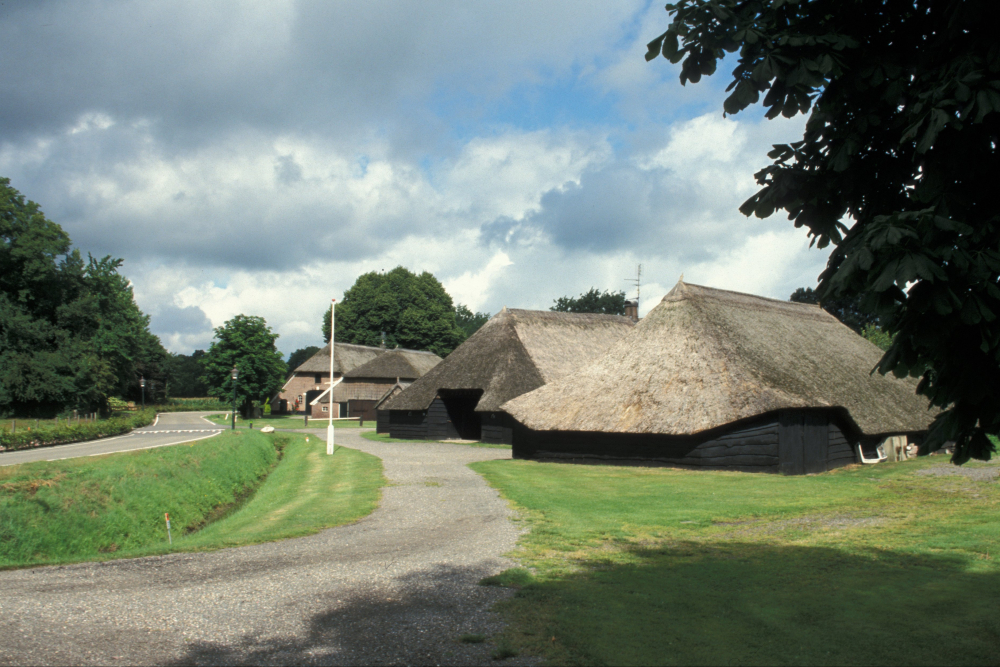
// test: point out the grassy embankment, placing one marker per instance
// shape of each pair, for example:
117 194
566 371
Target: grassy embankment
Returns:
284 421
866 565
227 490
382 437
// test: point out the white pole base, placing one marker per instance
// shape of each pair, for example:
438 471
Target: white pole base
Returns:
329 439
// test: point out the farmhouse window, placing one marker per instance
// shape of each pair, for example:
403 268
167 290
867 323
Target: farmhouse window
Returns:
326 408
319 378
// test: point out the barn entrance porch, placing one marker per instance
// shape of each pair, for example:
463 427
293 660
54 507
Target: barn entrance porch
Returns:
461 407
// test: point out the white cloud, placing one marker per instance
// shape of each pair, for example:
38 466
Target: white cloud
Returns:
257 161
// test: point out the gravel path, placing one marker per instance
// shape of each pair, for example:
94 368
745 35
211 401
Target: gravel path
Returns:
398 587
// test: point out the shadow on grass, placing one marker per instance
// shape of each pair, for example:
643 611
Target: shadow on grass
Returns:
757 604
420 618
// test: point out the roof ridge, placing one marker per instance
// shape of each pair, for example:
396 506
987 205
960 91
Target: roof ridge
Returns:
680 291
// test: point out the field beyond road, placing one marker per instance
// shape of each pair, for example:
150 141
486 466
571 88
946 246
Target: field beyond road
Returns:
890 564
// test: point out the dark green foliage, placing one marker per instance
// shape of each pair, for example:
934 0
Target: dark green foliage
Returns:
200 403
592 301
414 312
184 372
847 310
299 357
27 436
71 334
902 138
468 321
247 343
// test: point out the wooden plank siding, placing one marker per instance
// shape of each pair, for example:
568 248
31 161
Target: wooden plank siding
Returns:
439 426
497 428
407 425
792 442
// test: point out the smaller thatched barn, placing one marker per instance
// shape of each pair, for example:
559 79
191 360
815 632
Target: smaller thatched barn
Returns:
312 377
362 387
718 379
514 352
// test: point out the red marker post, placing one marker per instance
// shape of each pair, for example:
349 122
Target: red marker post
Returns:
167 515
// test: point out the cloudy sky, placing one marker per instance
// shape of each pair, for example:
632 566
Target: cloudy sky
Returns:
257 157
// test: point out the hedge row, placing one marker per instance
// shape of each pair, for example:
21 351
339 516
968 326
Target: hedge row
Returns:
27 437
193 404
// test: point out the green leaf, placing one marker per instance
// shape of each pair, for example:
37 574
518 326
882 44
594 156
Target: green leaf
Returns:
654 47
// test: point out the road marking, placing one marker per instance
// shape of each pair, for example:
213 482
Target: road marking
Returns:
181 430
136 449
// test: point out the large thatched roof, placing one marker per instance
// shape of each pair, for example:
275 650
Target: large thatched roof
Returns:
706 357
515 352
398 363
346 358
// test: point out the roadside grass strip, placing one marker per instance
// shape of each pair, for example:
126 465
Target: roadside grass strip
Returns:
897 563
308 492
228 490
382 437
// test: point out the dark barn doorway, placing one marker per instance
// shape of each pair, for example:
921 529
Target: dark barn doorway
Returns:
310 395
461 406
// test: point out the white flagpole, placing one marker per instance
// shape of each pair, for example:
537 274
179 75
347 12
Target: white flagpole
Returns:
329 428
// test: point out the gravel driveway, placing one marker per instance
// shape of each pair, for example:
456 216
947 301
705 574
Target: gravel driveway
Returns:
397 587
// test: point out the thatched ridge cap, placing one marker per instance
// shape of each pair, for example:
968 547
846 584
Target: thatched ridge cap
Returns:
523 315
689 292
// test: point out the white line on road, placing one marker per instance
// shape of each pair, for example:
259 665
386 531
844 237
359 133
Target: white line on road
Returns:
136 449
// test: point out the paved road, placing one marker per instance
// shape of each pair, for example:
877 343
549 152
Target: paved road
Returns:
397 587
170 428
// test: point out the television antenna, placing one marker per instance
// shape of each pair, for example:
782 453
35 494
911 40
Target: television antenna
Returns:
638 282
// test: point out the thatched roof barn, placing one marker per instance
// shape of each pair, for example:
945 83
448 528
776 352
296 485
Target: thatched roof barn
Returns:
705 362
361 388
346 357
514 352
312 377
398 363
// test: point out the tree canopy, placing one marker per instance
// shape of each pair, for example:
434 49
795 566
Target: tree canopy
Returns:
247 343
71 334
895 169
300 356
847 310
592 301
413 311
468 321
184 373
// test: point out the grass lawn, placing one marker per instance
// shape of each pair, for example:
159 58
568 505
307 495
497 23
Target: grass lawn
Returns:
382 437
223 491
285 421
865 565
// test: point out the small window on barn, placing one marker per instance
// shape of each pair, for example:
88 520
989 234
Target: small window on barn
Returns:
326 408
319 378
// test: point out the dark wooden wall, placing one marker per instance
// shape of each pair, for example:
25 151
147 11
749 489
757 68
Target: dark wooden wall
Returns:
497 428
409 425
430 424
439 426
792 442
381 421
361 408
